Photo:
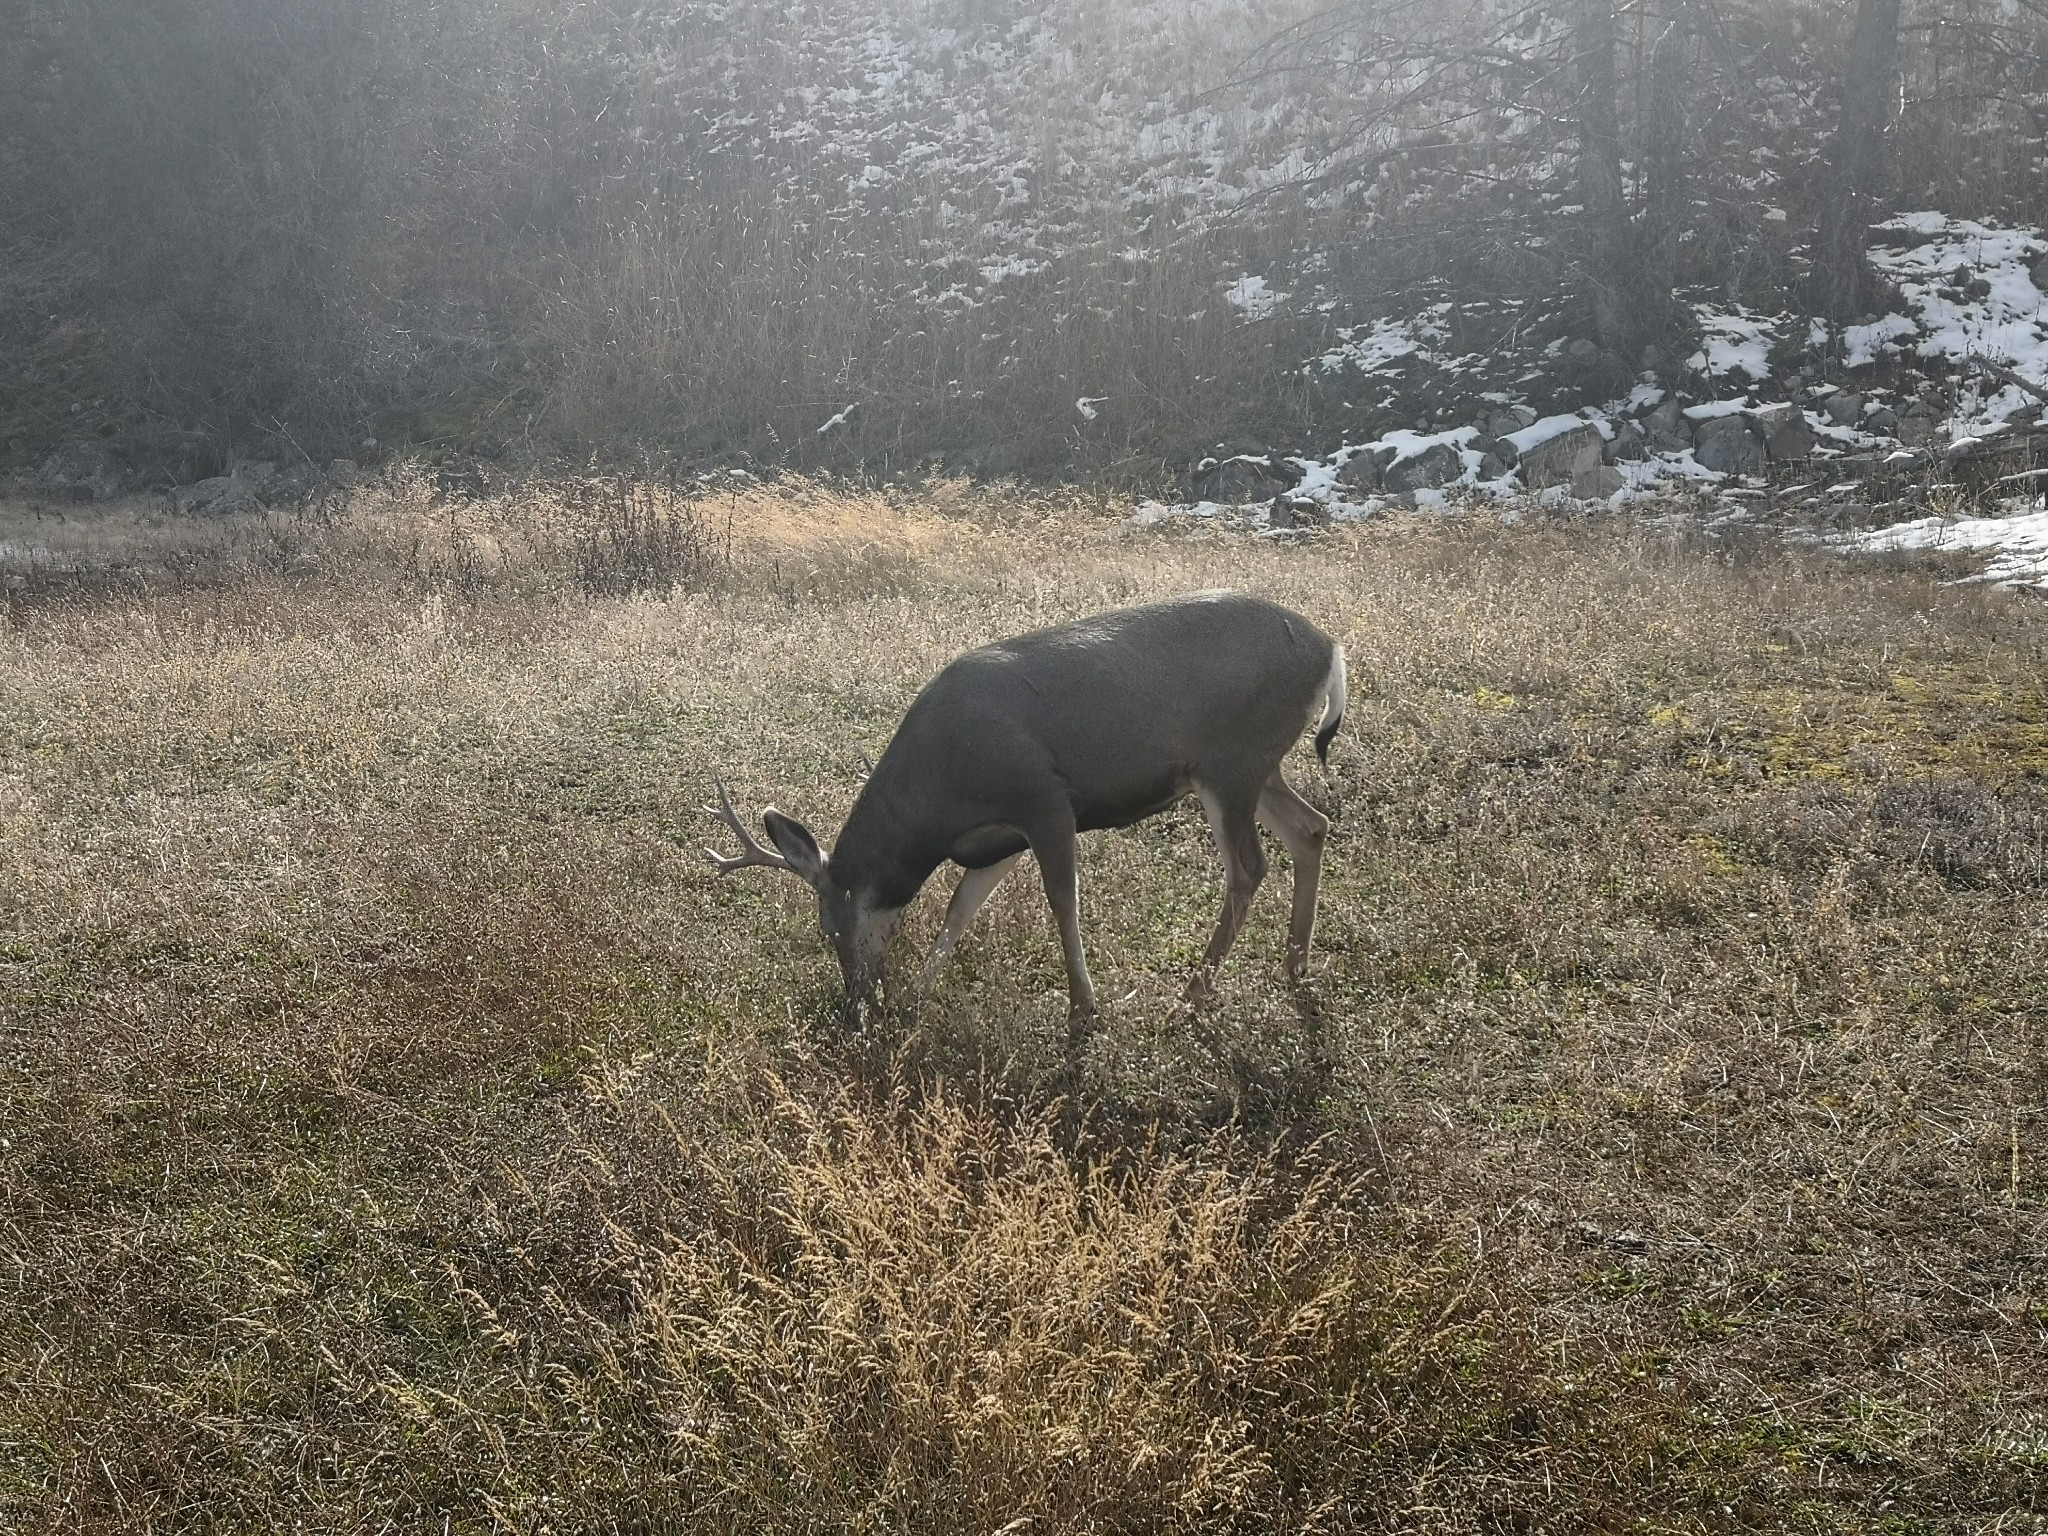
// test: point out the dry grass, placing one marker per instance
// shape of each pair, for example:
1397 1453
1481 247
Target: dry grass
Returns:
401 1128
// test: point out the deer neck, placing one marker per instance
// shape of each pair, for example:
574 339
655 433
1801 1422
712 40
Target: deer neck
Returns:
882 852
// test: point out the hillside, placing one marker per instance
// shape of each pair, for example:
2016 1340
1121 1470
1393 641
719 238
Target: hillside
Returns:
1042 239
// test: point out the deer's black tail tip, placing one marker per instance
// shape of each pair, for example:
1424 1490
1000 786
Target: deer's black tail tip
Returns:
1323 739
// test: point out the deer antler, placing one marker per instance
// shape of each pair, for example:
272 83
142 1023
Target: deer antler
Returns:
753 852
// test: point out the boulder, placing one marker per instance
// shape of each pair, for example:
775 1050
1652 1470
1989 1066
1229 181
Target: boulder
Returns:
1843 408
1921 426
1630 443
1555 460
2040 274
1785 432
1884 419
1729 446
1242 478
1291 511
1361 472
1437 465
1667 428
1597 483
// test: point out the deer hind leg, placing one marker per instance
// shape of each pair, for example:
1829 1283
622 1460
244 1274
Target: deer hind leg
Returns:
1234 821
975 887
1053 844
1302 829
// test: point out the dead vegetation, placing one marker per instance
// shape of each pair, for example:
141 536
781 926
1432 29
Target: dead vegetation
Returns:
400 1126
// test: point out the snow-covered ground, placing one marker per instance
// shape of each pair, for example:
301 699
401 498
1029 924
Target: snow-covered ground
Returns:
2014 548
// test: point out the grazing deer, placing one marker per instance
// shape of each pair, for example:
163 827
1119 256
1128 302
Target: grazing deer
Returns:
1099 723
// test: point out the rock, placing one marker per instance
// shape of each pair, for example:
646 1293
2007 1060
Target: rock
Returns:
220 495
1492 466
1597 483
1629 444
1788 437
1669 431
1361 472
1555 460
1919 427
1582 349
1298 512
1437 465
1883 419
83 472
1843 408
1729 446
1525 416
1243 478
1504 422
2040 274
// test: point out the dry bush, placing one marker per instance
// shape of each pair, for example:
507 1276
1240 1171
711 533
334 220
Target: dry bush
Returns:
919 1315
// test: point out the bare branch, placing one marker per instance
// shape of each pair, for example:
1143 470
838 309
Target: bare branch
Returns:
2006 376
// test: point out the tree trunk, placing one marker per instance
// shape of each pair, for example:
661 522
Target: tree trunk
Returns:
1606 257
1842 286
1664 190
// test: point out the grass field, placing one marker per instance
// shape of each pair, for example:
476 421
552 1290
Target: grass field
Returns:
402 1128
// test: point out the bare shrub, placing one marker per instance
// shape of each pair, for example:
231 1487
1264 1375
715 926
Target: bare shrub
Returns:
633 536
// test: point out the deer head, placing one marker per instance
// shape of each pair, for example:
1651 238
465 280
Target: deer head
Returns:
857 930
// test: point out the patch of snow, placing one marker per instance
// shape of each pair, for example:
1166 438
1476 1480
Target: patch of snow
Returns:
2017 545
1708 410
1736 341
1540 432
1253 297
1371 348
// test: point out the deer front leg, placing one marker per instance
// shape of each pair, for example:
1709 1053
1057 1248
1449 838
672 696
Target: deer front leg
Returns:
1054 846
975 887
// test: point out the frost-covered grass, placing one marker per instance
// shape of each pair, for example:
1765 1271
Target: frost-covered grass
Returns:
401 1126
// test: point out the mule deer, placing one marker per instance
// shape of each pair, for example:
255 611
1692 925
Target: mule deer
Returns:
1099 723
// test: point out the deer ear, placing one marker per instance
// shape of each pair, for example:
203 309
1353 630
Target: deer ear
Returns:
794 842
